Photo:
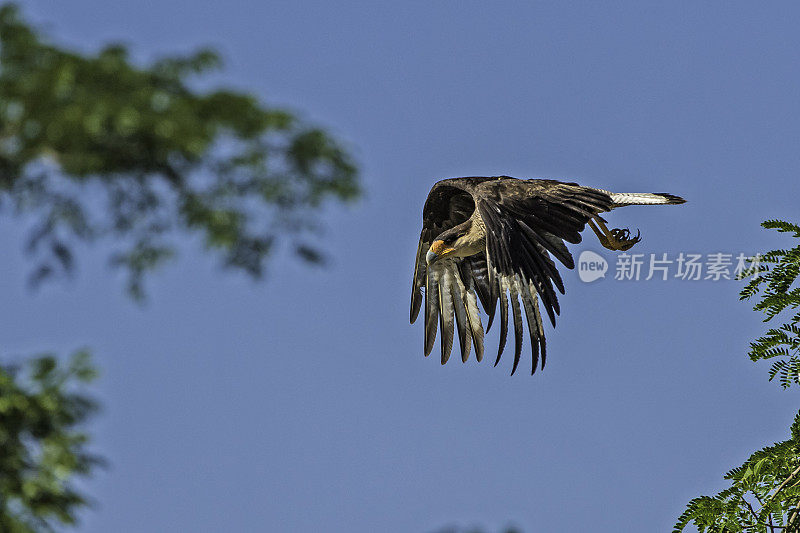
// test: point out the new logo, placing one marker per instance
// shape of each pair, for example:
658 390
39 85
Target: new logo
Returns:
591 266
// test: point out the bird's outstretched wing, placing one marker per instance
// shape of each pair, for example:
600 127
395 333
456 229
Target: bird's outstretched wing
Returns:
525 222
448 292
448 296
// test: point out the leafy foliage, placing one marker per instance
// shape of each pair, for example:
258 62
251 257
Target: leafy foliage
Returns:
96 146
41 411
774 277
764 495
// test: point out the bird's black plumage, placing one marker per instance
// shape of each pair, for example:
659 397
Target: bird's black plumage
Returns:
525 222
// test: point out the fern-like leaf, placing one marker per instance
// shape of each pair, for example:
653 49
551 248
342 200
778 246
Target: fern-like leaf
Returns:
764 495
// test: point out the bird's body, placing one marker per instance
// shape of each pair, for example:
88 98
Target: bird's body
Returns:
491 238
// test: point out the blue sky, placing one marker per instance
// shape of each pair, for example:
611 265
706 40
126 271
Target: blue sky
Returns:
304 403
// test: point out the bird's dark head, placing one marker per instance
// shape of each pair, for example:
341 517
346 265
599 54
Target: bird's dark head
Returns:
461 241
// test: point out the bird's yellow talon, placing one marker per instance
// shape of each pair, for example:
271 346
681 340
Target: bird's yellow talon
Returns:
617 239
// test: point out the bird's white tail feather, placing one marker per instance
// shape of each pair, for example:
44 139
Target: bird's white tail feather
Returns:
644 198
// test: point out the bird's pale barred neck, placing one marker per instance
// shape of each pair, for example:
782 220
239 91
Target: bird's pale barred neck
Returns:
494 239
471 239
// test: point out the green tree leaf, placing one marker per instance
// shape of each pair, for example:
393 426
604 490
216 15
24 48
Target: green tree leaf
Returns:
42 409
95 146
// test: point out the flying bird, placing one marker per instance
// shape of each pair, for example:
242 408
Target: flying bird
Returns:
495 239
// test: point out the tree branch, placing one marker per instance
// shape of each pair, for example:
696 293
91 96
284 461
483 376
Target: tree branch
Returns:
782 485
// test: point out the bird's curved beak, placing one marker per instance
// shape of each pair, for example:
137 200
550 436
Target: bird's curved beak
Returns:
437 250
